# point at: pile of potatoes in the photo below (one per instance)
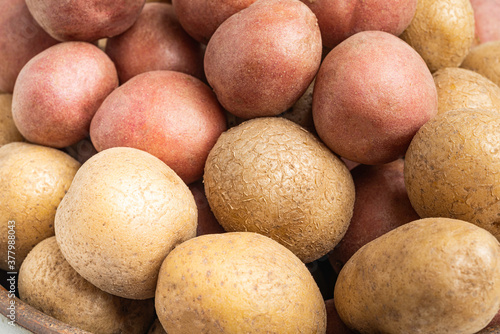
(180, 166)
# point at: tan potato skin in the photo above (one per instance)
(459, 88)
(48, 283)
(451, 168)
(442, 32)
(485, 60)
(270, 176)
(434, 275)
(237, 282)
(8, 130)
(33, 181)
(125, 211)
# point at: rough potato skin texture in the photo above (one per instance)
(237, 282)
(459, 88)
(33, 181)
(22, 38)
(451, 168)
(434, 275)
(485, 60)
(125, 211)
(340, 19)
(486, 14)
(85, 20)
(442, 32)
(48, 283)
(58, 92)
(270, 176)
(8, 130)
(372, 94)
(262, 59)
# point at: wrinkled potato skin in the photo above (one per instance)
(239, 282)
(485, 60)
(442, 32)
(34, 180)
(434, 275)
(48, 283)
(451, 168)
(8, 130)
(459, 88)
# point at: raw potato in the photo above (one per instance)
(48, 283)
(270, 176)
(485, 60)
(451, 168)
(434, 275)
(33, 181)
(486, 16)
(459, 88)
(442, 32)
(8, 130)
(124, 212)
(239, 282)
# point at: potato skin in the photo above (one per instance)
(48, 283)
(8, 130)
(434, 275)
(486, 14)
(485, 60)
(237, 282)
(262, 59)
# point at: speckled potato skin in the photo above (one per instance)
(442, 32)
(270, 176)
(262, 59)
(485, 60)
(459, 88)
(85, 20)
(48, 283)
(451, 168)
(434, 275)
(33, 181)
(125, 211)
(372, 94)
(8, 130)
(237, 282)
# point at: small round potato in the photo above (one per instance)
(486, 17)
(485, 60)
(8, 130)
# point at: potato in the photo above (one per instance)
(372, 94)
(434, 275)
(334, 324)
(48, 283)
(442, 32)
(84, 20)
(451, 168)
(262, 59)
(22, 38)
(239, 282)
(486, 14)
(459, 88)
(156, 328)
(207, 223)
(172, 115)
(81, 151)
(124, 212)
(156, 41)
(485, 60)
(33, 181)
(58, 92)
(341, 19)
(268, 175)
(8, 130)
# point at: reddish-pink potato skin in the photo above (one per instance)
(58, 92)
(156, 41)
(487, 20)
(172, 115)
(207, 223)
(262, 59)
(21, 39)
(381, 205)
(339, 19)
(85, 20)
(373, 92)
(200, 18)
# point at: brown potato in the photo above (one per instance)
(156, 328)
(434, 275)
(33, 181)
(334, 324)
(8, 130)
(486, 14)
(262, 59)
(485, 60)
(48, 283)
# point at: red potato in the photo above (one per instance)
(58, 92)
(22, 38)
(156, 41)
(171, 115)
(334, 325)
(487, 20)
(207, 223)
(372, 94)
